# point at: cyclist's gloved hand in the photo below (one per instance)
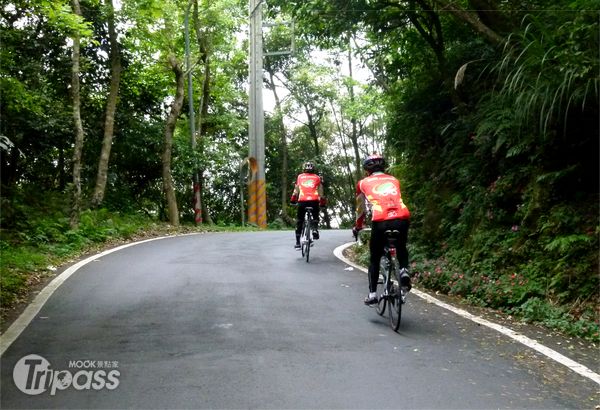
(294, 199)
(323, 201)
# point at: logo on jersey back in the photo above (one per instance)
(386, 189)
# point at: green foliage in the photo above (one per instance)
(551, 66)
(521, 293)
(361, 251)
(538, 310)
(35, 239)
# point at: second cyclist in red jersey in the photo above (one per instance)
(381, 192)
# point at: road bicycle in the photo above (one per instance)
(306, 237)
(389, 292)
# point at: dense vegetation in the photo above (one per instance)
(486, 109)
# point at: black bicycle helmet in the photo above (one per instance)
(309, 167)
(374, 163)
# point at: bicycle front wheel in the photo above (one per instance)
(395, 301)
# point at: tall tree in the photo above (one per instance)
(279, 42)
(283, 146)
(204, 46)
(310, 92)
(175, 111)
(77, 124)
(111, 106)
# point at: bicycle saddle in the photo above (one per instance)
(392, 236)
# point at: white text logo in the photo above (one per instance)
(33, 375)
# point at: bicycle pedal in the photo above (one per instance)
(403, 293)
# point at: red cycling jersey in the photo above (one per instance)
(308, 187)
(382, 191)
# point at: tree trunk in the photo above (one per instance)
(429, 27)
(283, 149)
(312, 129)
(473, 20)
(78, 126)
(173, 212)
(353, 136)
(111, 106)
(351, 182)
(491, 16)
(202, 109)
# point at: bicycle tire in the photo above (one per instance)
(302, 241)
(395, 300)
(381, 285)
(308, 239)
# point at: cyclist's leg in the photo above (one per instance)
(299, 222)
(376, 245)
(401, 225)
(315, 215)
(401, 250)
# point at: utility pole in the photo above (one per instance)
(257, 198)
(192, 118)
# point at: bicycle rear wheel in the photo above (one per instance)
(381, 284)
(302, 241)
(395, 300)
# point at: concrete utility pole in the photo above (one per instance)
(192, 119)
(257, 198)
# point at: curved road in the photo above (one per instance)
(239, 320)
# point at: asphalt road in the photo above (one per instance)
(240, 320)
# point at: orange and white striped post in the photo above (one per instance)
(261, 204)
(252, 198)
(257, 196)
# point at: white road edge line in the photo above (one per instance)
(533, 344)
(17, 327)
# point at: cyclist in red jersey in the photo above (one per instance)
(308, 192)
(381, 192)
